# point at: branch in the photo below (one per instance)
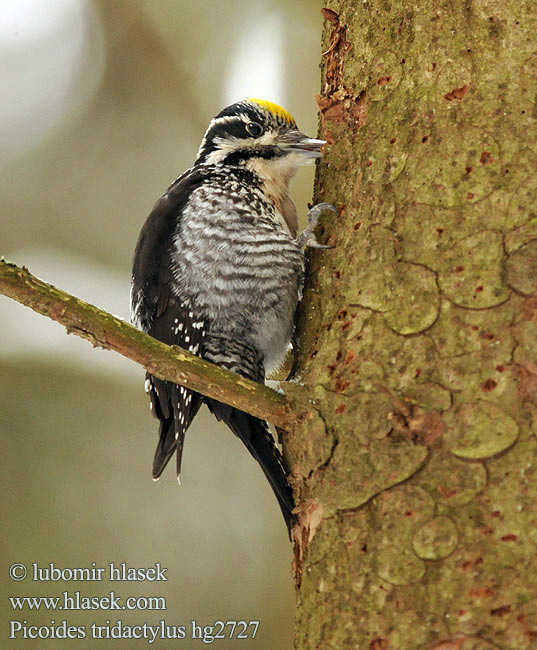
(167, 362)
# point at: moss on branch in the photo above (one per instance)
(164, 361)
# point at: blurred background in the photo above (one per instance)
(102, 105)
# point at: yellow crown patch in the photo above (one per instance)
(279, 111)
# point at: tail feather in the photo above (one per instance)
(165, 448)
(258, 440)
(175, 407)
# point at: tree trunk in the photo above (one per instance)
(418, 337)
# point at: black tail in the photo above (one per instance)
(255, 435)
(166, 447)
(175, 407)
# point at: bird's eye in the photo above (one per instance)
(254, 129)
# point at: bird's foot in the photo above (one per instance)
(307, 237)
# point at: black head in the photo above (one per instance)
(255, 129)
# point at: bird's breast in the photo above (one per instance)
(243, 269)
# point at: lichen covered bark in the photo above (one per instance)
(417, 469)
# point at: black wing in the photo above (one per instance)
(157, 310)
(176, 321)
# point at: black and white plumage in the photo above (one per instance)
(218, 271)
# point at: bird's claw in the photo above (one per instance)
(313, 243)
(307, 237)
(317, 209)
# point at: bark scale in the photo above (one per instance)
(418, 339)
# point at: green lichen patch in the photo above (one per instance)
(398, 565)
(373, 408)
(347, 481)
(428, 395)
(309, 449)
(394, 462)
(521, 268)
(471, 273)
(476, 348)
(513, 513)
(435, 539)
(355, 473)
(313, 373)
(362, 463)
(526, 335)
(396, 515)
(440, 170)
(451, 482)
(368, 373)
(522, 85)
(350, 321)
(460, 642)
(415, 301)
(488, 372)
(520, 162)
(384, 76)
(402, 509)
(480, 430)
(424, 231)
(523, 235)
(460, 331)
(386, 159)
(373, 277)
(397, 364)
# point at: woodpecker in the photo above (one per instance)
(218, 270)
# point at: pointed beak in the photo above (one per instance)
(311, 146)
(300, 143)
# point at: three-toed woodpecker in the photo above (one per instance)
(218, 271)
